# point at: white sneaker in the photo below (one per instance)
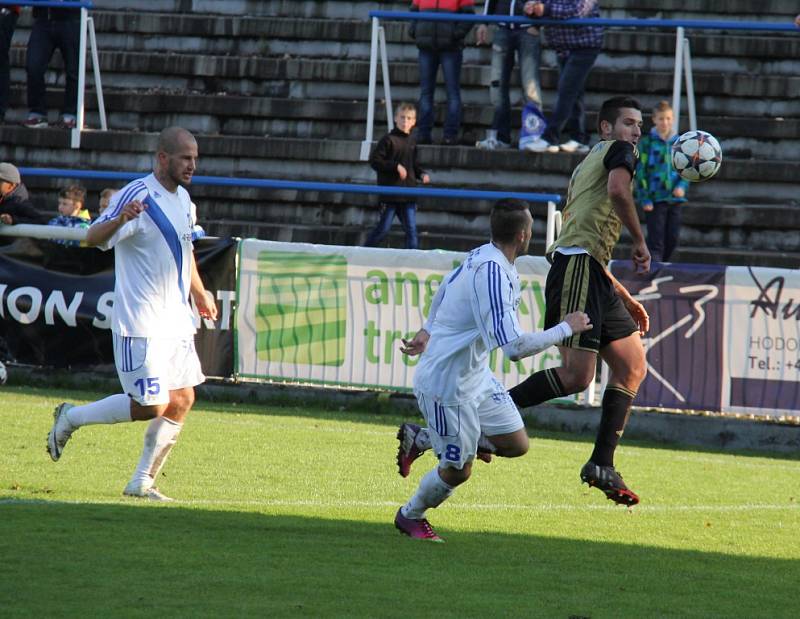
(573, 146)
(60, 432)
(139, 491)
(492, 144)
(537, 146)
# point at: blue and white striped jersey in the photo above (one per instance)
(477, 314)
(152, 266)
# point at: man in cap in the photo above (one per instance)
(15, 205)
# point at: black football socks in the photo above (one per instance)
(537, 388)
(616, 409)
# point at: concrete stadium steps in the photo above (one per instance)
(755, 181)
(761, 231)
(768, 10)
(277, 89)
(767, 137)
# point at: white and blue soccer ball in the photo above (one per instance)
(3, 374)
(696, 155)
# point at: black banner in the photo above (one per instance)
(55, 304)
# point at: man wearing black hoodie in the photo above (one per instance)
(15, 206)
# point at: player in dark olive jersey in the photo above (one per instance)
(599, 203)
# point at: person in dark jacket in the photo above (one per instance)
(395, 160)
(53, 29)
(8, 21)
(15, 206)
(440, 43)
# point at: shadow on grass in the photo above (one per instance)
(119, 560)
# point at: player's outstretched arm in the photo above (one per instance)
(100, 232)
(203, 299)
(529, 344)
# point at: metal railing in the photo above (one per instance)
(682, 51)
(264, 183)
(86, 31)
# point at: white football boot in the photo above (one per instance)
(60, 432)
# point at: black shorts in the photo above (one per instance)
(578, 283)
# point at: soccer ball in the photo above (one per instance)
(3, 374)
(696, 155)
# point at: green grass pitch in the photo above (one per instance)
(287, 512)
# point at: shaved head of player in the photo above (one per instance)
(176, 158)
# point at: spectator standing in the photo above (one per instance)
(440, 43)
(8, 21)
(521, 43)
(105, 199)
(15, 205)
(53, 29)
(395, 161)
(660, 191)
(577, 49)
(71, 212)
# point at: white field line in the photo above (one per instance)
(545, 507)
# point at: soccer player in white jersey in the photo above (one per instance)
(149, 225)
(473, 312)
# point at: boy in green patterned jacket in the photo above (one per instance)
(660, 191)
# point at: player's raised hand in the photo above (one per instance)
(131, 211)
(415, 346)
(578, 322)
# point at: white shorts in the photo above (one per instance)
(455, 428)
(149, 368)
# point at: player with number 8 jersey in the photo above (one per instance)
(473, 312)
(149, 224)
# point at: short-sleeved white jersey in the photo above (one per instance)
(152, 265)
(477, 314)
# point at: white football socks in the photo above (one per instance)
(159, 438)
(113, 409)
(432, 492)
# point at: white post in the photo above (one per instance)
(98, 85)
(676, 80)
(387, 88)
(366, 145)
(76, 132)
(550, 234)
(687, 64)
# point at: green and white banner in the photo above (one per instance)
(335, 315)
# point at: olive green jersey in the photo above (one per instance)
(589, 219)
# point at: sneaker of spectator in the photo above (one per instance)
(538, 145)
(35, 121)
(491, 142)
(68, 121)
(573, 146)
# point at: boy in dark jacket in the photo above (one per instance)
(395, 161)
(440, 43)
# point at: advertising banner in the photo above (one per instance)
(56, 301)
(684, 346)
(761, 370)
(336, 315)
